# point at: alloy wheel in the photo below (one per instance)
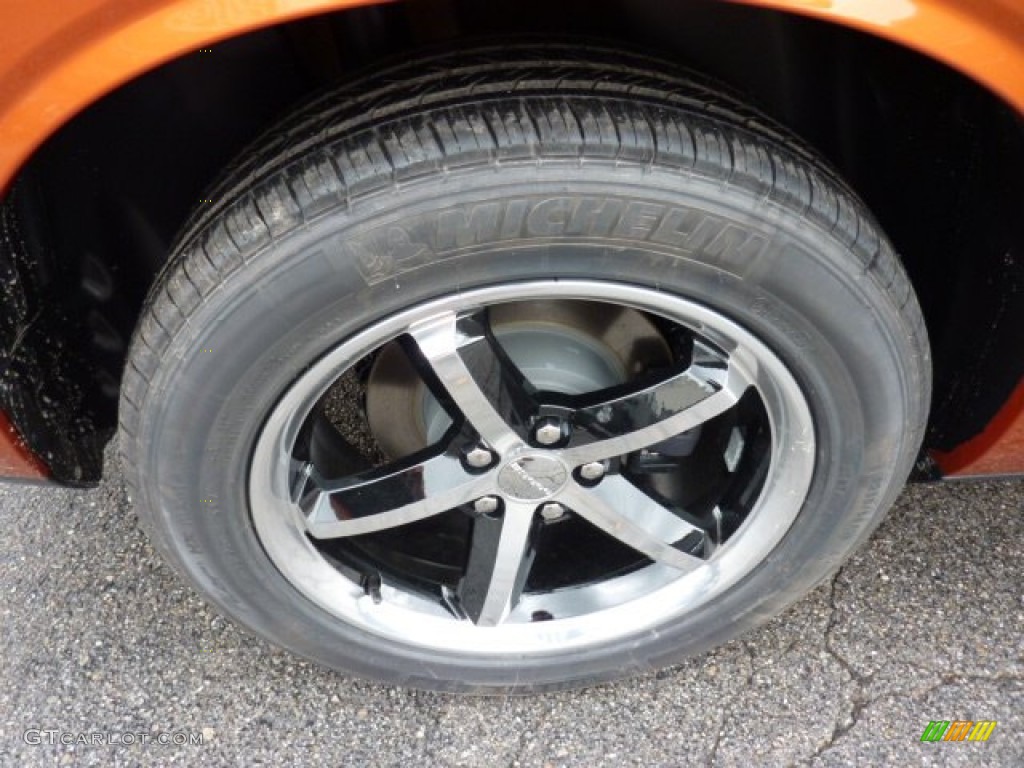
(527, 512)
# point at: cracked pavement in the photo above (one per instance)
(925, 622)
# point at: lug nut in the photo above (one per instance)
(552, 511)
(479, 457)
(486, 505)
(593, 471)
(548, 432)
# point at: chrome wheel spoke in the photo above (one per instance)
(632, 503)
(387, 498)
(466, 362)
(655, 413)
(624, 512)
(500, 556)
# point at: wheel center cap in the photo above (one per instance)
(533, 477)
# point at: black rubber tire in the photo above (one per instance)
(294, 255)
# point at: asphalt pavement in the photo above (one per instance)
(925, 623)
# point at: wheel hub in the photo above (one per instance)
(534, 477)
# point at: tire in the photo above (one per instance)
(697, 375)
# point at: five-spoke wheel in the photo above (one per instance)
(704, 448)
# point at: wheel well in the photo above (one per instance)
(91, 217)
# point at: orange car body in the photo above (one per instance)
(58, 57)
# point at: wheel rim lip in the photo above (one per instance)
(668, 596)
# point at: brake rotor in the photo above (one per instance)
(567, 347)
